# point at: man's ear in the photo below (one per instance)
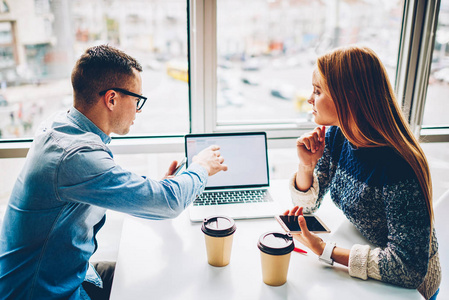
(110, 99)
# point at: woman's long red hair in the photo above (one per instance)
(367, 109)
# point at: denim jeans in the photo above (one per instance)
(106, 271)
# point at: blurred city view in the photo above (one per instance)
(437, 106)
(266, 50)
(40, 41)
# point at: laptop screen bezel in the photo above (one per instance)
(200, 135)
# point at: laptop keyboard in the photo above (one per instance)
(232, 197)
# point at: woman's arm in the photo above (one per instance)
(310, 148)
(311, 182)
(403, 261)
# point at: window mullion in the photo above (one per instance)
(419, 26)
(210, 64)
(203, 65)
(425, 60)
(409, 54)
(196, 65)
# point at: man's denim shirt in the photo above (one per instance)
(58, 204)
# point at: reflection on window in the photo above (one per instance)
(266, 50)
(435, 112)
(43, 38)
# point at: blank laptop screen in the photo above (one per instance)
(244, 154)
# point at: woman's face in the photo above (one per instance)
(324, 110)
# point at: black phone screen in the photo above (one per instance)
(312, 223)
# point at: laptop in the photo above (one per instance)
(241, 192)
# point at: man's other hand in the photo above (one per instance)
(171, 170)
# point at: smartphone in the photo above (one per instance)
(180, 166)
(314, 224)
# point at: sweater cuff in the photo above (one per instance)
(373, 264)
(358, 261)
(305, 199)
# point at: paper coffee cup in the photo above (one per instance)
(218, 233)
(275, 250)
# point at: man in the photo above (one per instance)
(69, 179)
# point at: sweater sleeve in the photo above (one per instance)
(364, 264)
(404, 260)
(307, 199)
(322, 177)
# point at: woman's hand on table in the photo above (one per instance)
(305, 237)
(314, 242)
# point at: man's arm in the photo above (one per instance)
(89, 175)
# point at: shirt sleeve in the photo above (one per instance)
(89, 175)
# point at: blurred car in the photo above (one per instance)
(283, 91)
(227, 80)
(227, 97)
(3, 101)
(178, 70)
(252, 64)
(224, 64)
(163, 57)
(250, 80)
(286, 62)
(154, 64)
(442, 75)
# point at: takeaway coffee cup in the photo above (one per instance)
(275, 250)
(218, 233)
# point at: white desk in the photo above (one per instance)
(167, 260)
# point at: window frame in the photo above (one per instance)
(420, 19)
(428, 134)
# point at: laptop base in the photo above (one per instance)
(235, 211)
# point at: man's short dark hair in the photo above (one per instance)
(101, 68)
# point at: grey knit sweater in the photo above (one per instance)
(379, 193)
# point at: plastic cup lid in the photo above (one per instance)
(218, 226)
(276, 243)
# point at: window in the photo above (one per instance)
(436, 107)
(39, 52)
(422, 58)
(266, 51)
(209, 66)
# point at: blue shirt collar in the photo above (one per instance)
(85, 124)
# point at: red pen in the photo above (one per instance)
(299, 250)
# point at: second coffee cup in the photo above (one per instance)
(218, 233)
(275, 250)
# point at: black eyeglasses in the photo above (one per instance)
(140, 102)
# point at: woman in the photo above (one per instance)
(375, 170)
